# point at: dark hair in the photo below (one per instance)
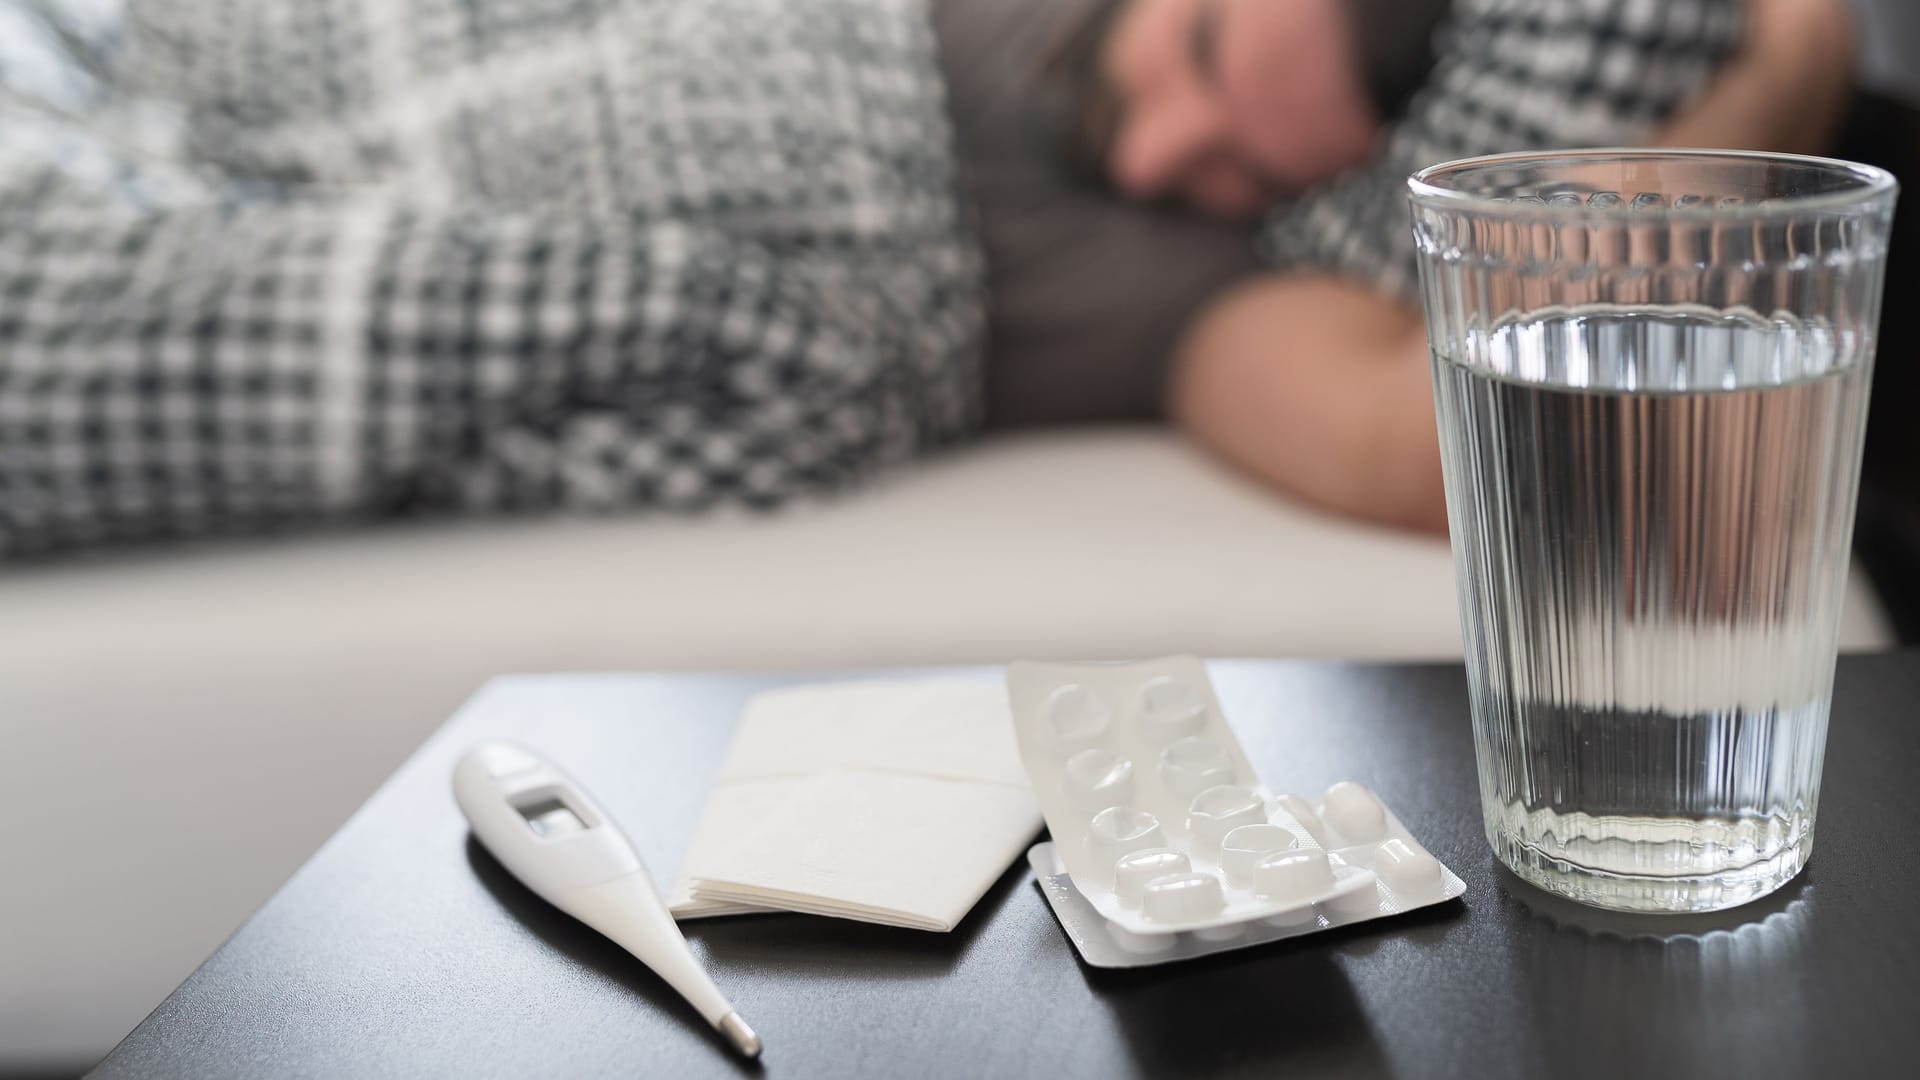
(1393, 42)
(1085, 106)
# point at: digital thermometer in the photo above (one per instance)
(546, 830)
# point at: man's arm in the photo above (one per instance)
(1320, 386)
(1786, 90)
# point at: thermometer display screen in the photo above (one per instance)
(551, 817)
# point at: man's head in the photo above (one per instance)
(1226, 104)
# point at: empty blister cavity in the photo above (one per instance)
(1131, 872)
(1355, 814)
(1172, 708)
(1218, 811)
(1292, 877)
(1184, 898)
(1100, 778)
(1245, 845)
(1191, 765)
(1118, 831)
(1407, 870)
(1075, 714)
(1302, 811)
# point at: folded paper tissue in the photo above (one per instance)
(888, 802)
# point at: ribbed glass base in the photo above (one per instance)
(1590, 872)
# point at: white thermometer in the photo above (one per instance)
(546, 830)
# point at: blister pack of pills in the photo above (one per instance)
(1166, 845)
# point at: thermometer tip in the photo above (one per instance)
(740, 1035)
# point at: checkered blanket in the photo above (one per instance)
(1511, 75)
(384, 256)
(487, 255)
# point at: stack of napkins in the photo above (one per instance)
(887, 802)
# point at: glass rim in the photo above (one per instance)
(1871, 183)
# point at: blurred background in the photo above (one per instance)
(185, 723)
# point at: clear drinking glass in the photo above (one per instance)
(1651, 375)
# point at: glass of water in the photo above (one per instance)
(1651, 373)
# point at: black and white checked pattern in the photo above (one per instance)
(1511, 75)
(493, 254)
(488, 254)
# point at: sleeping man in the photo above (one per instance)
(276, 262)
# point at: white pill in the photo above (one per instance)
(1100, 778)
(1359, 904)
(1132, 871)
(1355, 814)
(1292, 877)
(1302, 811)
(1407, 870)
(1171, 708)
(1141, 944)
(1244, 846)
(1218, 811)
(1192, 765)
(1118, 831)
(1294, 917)
(1361, 900)
(1075, 714)
(1183, 898)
